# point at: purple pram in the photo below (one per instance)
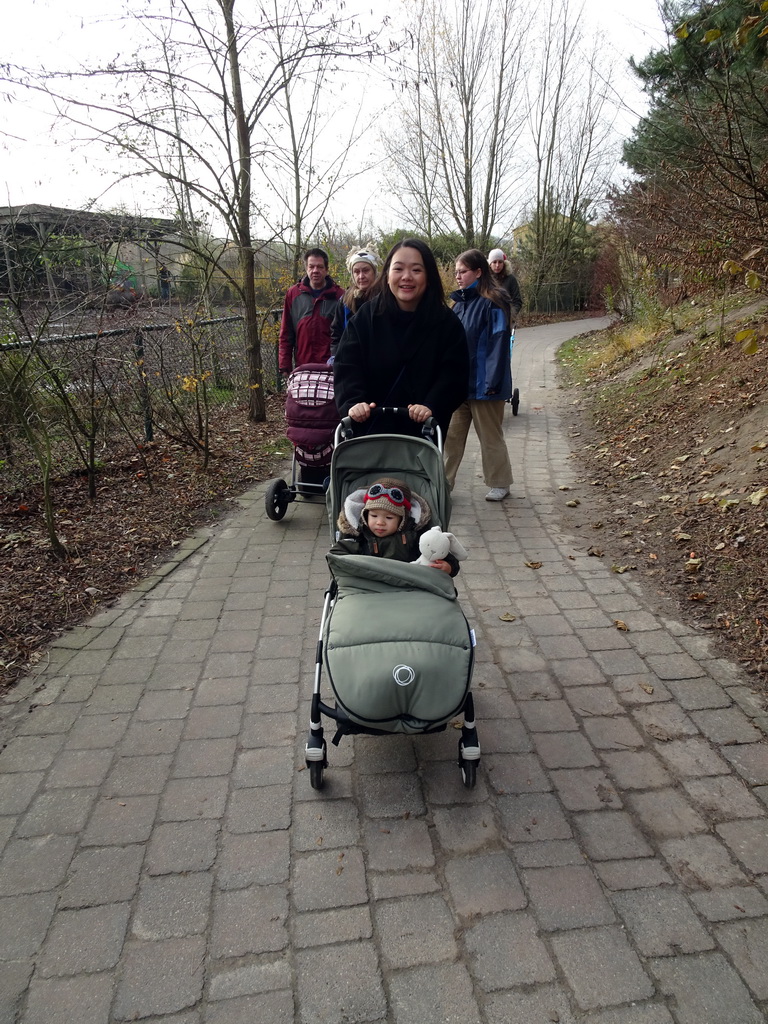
(312, 417)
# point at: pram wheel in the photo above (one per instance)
(515, 401)
(316, 774)
(469, 773)
(276, 499)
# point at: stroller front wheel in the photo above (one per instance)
(276, 500)
(515, 401)
(469, 773)
(316, 774)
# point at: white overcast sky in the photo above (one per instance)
(36, 167)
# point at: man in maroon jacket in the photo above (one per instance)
(305, 331)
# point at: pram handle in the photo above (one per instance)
(430, 429)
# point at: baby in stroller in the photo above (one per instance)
(387, 519)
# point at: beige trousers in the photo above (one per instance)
(488, 419)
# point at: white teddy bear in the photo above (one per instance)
(434, 545)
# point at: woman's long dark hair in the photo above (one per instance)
(473, 259)
(434, 296)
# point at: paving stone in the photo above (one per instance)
(249, 980)
(505, 736)
(25, 922)
(567, 897)
(84, 941)
(109, 875)
(85, 999)
(588, 701)
(547, 715)
(182, 846)
(397, 845)
(745, 943)
(507, 952)
(349, 924)
(152, 738)
(748, 841)
(531, 685)
(601, 967)
(565, 750)
(249, 921)
(213, 722)
(58, 812)
(326, 826)
(528, 819)
(120, 822)
(635, 769)
(415, 930)
(661, 922)
(705, 989)
(35, 865)
(609, 835)
(253, 859)
(616, 733)
(664, 721)
(632, 874)
(696, 694)
(516, 773)
(261, 809)
(484, 884)
(200, 758)
(433, 995)
(666, 813)
(577, 672)
(79, 768)
(29, 753)
(637, 1013)
(561, 648)
(546, 1003)
(392, 796)
(750, 761)
(674, 667)
(275, 1007)
(401, 883)
(333, 878)
(14, 984)
(638, 690)
(548, 853)
(722, 797)
(726, 725)
(138, 776)
(691, 757)
(17, 791)
(730, 904)
(620, 663)
(170, 906)
(338, 984)
(585, 789)
(160, 977)
(701, 862)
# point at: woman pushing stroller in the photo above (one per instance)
(387, 520)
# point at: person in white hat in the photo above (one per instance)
(363, 267)
(501, 272)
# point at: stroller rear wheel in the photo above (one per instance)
(515, 401)
(468, 765)
(276, 499)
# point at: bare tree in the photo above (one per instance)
(193, 109)
(461, 115)
(570, 134)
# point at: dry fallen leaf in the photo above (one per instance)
(507, 617)
(597, 552)
(647, 687)
(621, 624)
(573, 503)
(534, 565)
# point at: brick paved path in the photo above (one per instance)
(165, 859)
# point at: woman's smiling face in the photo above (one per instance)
(407, 278)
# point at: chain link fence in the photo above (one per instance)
(65, 400)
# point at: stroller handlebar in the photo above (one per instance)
(429, 428)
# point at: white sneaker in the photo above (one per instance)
(497, 494)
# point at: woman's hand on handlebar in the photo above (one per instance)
(361, 411)
(419, 413)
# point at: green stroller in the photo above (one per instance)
(394, 642)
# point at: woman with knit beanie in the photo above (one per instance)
(501, 272)
(363, 265)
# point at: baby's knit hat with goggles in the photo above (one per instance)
(385, 503)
